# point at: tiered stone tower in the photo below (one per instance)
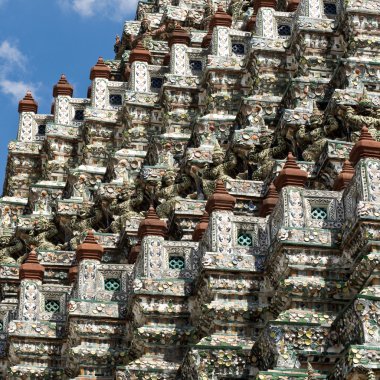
(211, 210)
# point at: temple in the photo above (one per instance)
(211, 209)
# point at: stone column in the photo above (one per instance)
(62, 92)
(152, 231)
(31, 276)
(27, 126)
(89, 255)
(139, 59)
(178, 42)
(100, 74)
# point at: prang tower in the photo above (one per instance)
(211, 209)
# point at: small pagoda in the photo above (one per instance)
(210, 210)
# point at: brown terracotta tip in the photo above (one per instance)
(140, 54)
(366, 147)
(220, 199)
(179, 36)
(134, 252)
(221, 18)
(201, 227)
(28, 104)
(152, 225)
(100, 70)
(63, 87)
(269, 201)
(291, 174)
(73, 273)
(344, 177)
(90, 238)
(291, 162)
(90, 249)
(365, 135)
(31, 269)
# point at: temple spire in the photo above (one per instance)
(291, 174)
(28, 104)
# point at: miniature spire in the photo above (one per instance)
(90, 249)
(31, 269)
(134, 252)
(221, 199)
(140, 54)
(292, 5)
(63, 87)
(257, 4)
(201, 227)
(166, 61)
(365, 147)
(207, 39)
(344, 177)
(221, 18)
(100, 70)
(28, 104)
(73, 273)
(152, 225)
(89, 92)
(269, 201)
(179, 36)
(291, 174)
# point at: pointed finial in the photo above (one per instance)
(31, 269)
(134, 252)
(140, 54)
(73, 273)
(220, 199)
(344, 177)
(28, 104)
(366, 147)
(179, 36)
(63, 87)
(90, 249)
(100, 70)
(201, 227)
(152, 225)
(270, 201)
(221, 18)
(291, 174)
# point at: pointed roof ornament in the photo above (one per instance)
(28, 104)
(366, 147)
(90, 249)
(63, 87)
(220, 199)
(152, 225)
(292, 5)
(140, 54)
(269, 201)
(221, 18)
(257, 4)
(100, 70)
(201, 227)
(134, 253)
(73, 273)
(344, 177)
(179, 36)
(31, 269)
(291, 174)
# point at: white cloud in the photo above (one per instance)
(17, 89)
(113, 9)
(12, 60)
(10, 55)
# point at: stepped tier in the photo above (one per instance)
(211, 210)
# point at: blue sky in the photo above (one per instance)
(42, 39)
